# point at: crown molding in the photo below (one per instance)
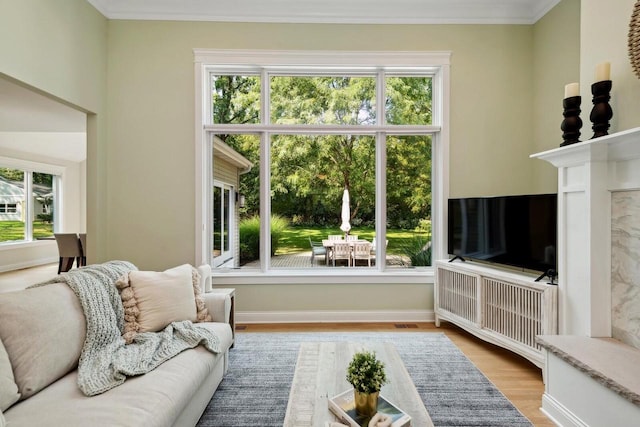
(331, 11)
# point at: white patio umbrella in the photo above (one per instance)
(346, 212)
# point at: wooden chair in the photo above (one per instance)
(341, 250)
(69, 249)
(83, 246)
(333, 237)
(317, 249)
(362, 251)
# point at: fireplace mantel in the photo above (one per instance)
(588, 173)
(621, 146)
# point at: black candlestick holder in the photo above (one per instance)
(601, 112)
(572, 122)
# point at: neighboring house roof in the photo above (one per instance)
(10, 192)
(223, 151)
(16, 188)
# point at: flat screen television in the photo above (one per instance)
(519, 231)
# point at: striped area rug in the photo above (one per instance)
(255, 391)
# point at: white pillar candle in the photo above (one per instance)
(572, 89)
(603, 71)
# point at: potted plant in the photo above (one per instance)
(366, 374)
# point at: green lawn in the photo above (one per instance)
(296, 239)
(14, 230)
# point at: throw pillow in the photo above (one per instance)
(203, 312)
(42, 330)
(8, 388)
(152, 300)
(3, 422)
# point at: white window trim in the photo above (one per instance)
(231, 214)
(30, 167)
(333, 61)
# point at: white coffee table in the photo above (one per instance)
(321, 374)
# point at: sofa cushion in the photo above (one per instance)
(3, 422)
(152, 300)
(8, 388)
(43, 330)
(153, 399)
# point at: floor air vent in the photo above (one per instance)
(405, 325)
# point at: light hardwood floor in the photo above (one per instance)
(518, 379)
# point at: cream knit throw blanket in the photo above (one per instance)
(105, 361)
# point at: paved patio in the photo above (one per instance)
(303, 260)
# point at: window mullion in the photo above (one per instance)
(57, 203)
(265, 98)
(28, 205)
(381, 90)
(265, 173)
(381, 200)
(381, 174)
(265, 202)
(325, 129)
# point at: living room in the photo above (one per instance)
(134, 80)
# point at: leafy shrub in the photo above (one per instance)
(424, 225)
(48, 218)
(278, 225)
(250, 237)
(418, 250)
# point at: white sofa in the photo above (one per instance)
(41, 335)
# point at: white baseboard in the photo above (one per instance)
(559, 414)
(322, 316)
(28, 264)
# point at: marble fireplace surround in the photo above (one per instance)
(599, 236)
(597, 349)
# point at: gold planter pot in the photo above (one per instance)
(366, 403)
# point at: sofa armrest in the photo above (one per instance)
(205, 277)
(219, 306)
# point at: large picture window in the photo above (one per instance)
(346, 162)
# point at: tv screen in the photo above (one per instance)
(519, 231)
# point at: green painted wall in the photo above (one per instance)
(141, 155)
(59, 48)
(605, 25)
(556, 52)
(151, 114)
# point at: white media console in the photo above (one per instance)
(505, 308)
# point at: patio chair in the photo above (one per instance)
(335, 237)
(362, 251)
(341, 250)
(352, 237)
(69, 249)
(317, 249)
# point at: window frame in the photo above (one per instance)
(30, 168)
(228, 220)
(242, 62)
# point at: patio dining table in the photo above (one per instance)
(330, 243)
